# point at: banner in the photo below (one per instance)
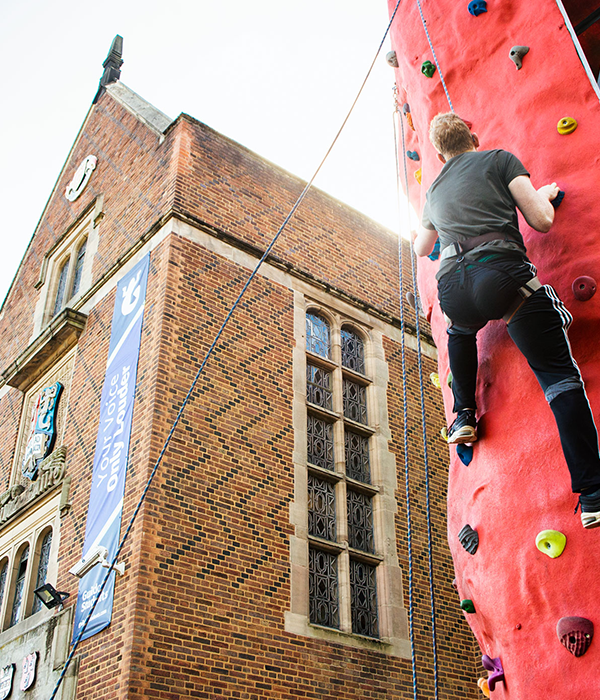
(103, 525)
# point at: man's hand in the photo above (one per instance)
(549, 191)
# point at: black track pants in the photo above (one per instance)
(471, 296)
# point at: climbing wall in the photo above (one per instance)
(517, 485)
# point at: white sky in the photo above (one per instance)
(278, 76)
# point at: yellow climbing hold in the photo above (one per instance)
(418, 174)
(566, 125)
(449, 379)
(551, 542)
(482, 684)
(444, 433)
(435, 380)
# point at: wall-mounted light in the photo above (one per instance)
(49, 596)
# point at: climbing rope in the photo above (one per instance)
(423, 419)
(405, 418)
(437, 63)
(208, 355)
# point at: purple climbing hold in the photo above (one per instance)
(575, 634)
(584, 288)
(477, 7)
(494, 666)
(465, 452)
(558, 199)
(413, 155)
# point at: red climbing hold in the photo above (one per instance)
(575, 634)
(584, 288)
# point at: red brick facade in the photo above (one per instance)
(200, 611)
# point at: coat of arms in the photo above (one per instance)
(42, 431)
(28, 675)
(6, 681)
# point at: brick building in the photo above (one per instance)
(269, 558)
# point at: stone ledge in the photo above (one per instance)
(57, 338)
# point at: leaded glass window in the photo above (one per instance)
(319, 442)
(363, 594)
(61, 288)
(355, 401)
(357, 457)
(321, 508)
(323, 588)
(318, 335)
(318, 387)
(42, 571)
(78, 271)
(360, 521)
(19, 587)
(3, 573)
(353, 351)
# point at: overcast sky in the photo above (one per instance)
(278, 76)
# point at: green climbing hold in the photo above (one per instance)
(551, 542)
(449, 379)
(467, 606)
(428, 69)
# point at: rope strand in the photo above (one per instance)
(437, 63)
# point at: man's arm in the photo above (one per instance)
(534, 204)
(425, 240)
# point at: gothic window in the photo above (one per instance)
(42, 569)
(61, 287)
(69, 276)
(343, 556)
(19, 589)
(78, 268)
(3, 573)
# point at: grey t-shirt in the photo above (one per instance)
(471, 197)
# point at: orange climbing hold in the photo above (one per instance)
(418, 175)
(482, 684)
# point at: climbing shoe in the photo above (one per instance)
(464, 429)
(590, 509)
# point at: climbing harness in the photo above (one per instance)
(207, 356)
(423, 427)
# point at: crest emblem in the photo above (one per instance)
(81, 177)
(6, 681)
(28, 675)
(42, 430)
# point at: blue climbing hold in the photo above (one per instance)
(435, 253)
(413, 155)
(477, 7)
(558, 199)
(465, 452)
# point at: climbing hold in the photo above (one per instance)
(482, 684)
(575, 634)
(444, 433)
(476, 7)
(516, 55)
(410, 298)
(435, 380)
(449, 379)
(518, 626)
(558, 199)
(418, 174)
(494, 667)
(435, 253)
(465, 452)
(392, 59)
(428, 69)
(413, 155)
(455, 584)
(566, 125)
(408, 115)
(469, 539)
(584, 288)
(551, 542)
(467, 606)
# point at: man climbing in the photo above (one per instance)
(485, 274)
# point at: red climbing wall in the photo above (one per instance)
(517, 484)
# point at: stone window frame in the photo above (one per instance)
(392, 617)
(29, 531)
(65, 252)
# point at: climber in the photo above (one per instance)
(484, 274)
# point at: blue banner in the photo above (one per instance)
(112, 447)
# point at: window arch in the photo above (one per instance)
(318, 334)
(45, 546)
(18, 599)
